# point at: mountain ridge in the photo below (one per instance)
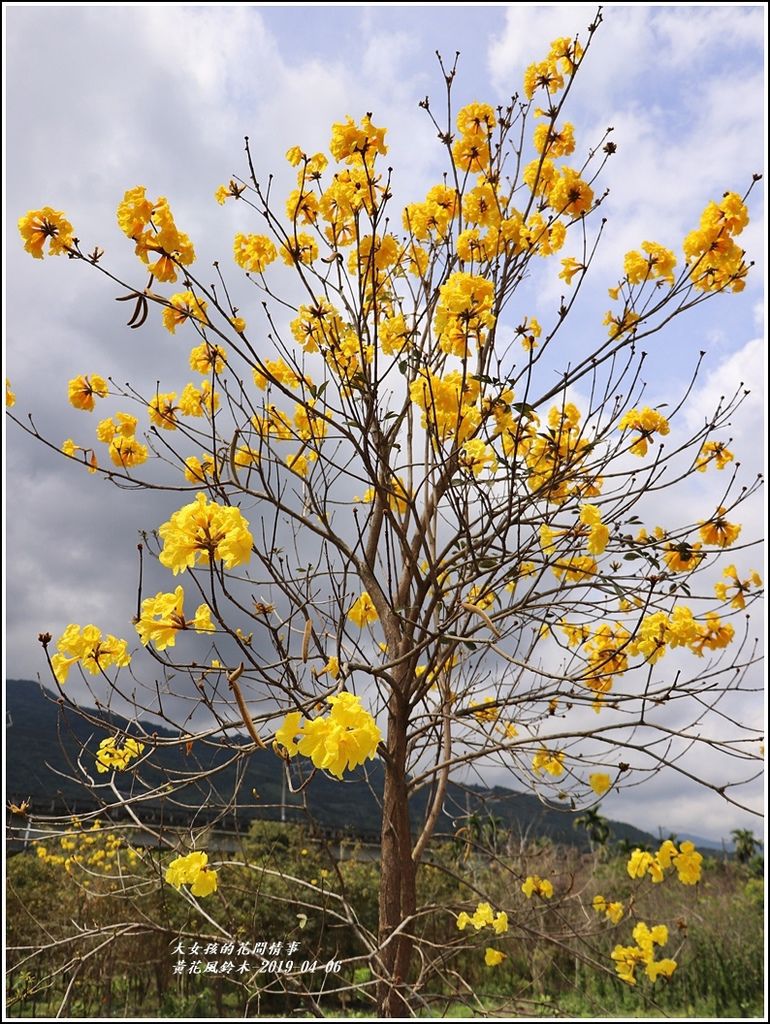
(46, 738)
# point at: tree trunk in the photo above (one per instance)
(397, 878)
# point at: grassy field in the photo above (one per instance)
(95, 937)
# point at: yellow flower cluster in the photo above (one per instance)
(620, 323)
(230, 191)
(554, 142)
(162, 617)
(545, 761)
(598, 533)
(658, 263)
(449, 404)
(39, 226)
(277, 370)
(683, 557)
(362, 611)
(202, 401)
(629, 958)
(464, 313)
(162, 410)
(599, 782)
(114, 755)
(563, 59)
(686, 860)
(94, 652)
(208, 358)
(198, 470)
(355, 144)
(715, 260)
(475, 124)
(119, 433)
(193, 870)
(202, 531)
(718, 531)
(612, 911)
(493, 957)
(152, 227)
(658, 630)
(254, 253)
(184, 306)
(482, 916)
(303, 248)
(90, 848)
(555, 457)
(735, 589)
(646, 422)
(485, 710)
(10, 397)
(432, 217)
(606, 652)
(476, 456)
(341, 740)
(713, 453)
(83, 390)
(319, 327)
(535, 885)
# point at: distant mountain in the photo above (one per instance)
(701, 842)
(46, 739)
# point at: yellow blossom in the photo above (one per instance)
(555, 141)
(254, 252)
(115, 755)
(332, 666)
(688, 863)
(162, 410)
(713, 453)
(464, 312)
(354, 143)
(39, 226)
(341, 740)
(202, 531)
(207, 358)
(545, 761)
(84, 390)
(535, 885)
(658, 262)
(302, 249)
(181, 307)
(570, 267)
(718, 531)
(127, 451)
(476, 119)
(493, 957)
(683, 557)
(735, 589)
(197, 470)
(88, 647)
(612, 911)
(192, 870)
(600, 782)
(163, 616)
(363, 612)
(598, 533)
(152, 227)
(285, 737)
(647, 422)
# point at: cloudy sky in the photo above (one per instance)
(101, 99)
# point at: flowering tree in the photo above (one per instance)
(406, 539)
